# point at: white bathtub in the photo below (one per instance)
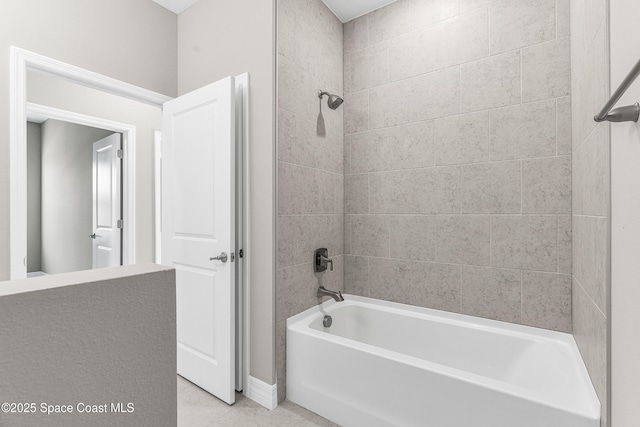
(389, 364)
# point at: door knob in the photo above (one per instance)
(222, 257)
(93, 236)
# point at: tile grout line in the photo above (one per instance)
(556, 117)
(369, 193)
(490, 151)
(459, 90)
(435, 245)
(521, 187)
(558, 246)
(521, 297)
(484, 58)
(368, 271)
(556, 18)
(462, 265)
(453, 214)
(440, 118)
(491, 241)
(489, 27)
(461, 287)
(460, 190)
(589, 296)
(521, 88)
(440, 166)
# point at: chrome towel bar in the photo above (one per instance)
(628, 113)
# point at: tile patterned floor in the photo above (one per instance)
(197, 408)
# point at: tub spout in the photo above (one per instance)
(322, 292)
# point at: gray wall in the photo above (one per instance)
(67, 197)
(34, 190)
(95, 337)
(212, 44)
(95, 35)
(59, 93)
(591, 189)
(310, 168)
(458, 158)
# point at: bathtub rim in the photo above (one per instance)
(301, 323)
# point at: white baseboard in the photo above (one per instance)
(262, 393)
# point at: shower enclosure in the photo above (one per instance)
(445, 180)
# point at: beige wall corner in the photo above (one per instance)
(224, 38)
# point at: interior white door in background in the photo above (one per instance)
(198, 231)
(107, 202)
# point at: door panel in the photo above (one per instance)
(195, 317)
(192, 210)
(198, 223)
(107, 202)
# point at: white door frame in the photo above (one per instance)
(37, 112)
(157, 192)
(242, 210)
(22, 61)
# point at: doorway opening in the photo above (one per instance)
(74, 196)
(124, 210)
(22, 62)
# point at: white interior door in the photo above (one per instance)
(198, 225)
(107, 203)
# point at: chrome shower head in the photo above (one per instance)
(334, 101)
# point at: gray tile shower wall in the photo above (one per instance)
(310, 175)
(457, 158)
(591, 190)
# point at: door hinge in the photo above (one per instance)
(240, 253)
(120, 154)
(120, 223)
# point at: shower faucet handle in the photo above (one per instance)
(321, 257)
